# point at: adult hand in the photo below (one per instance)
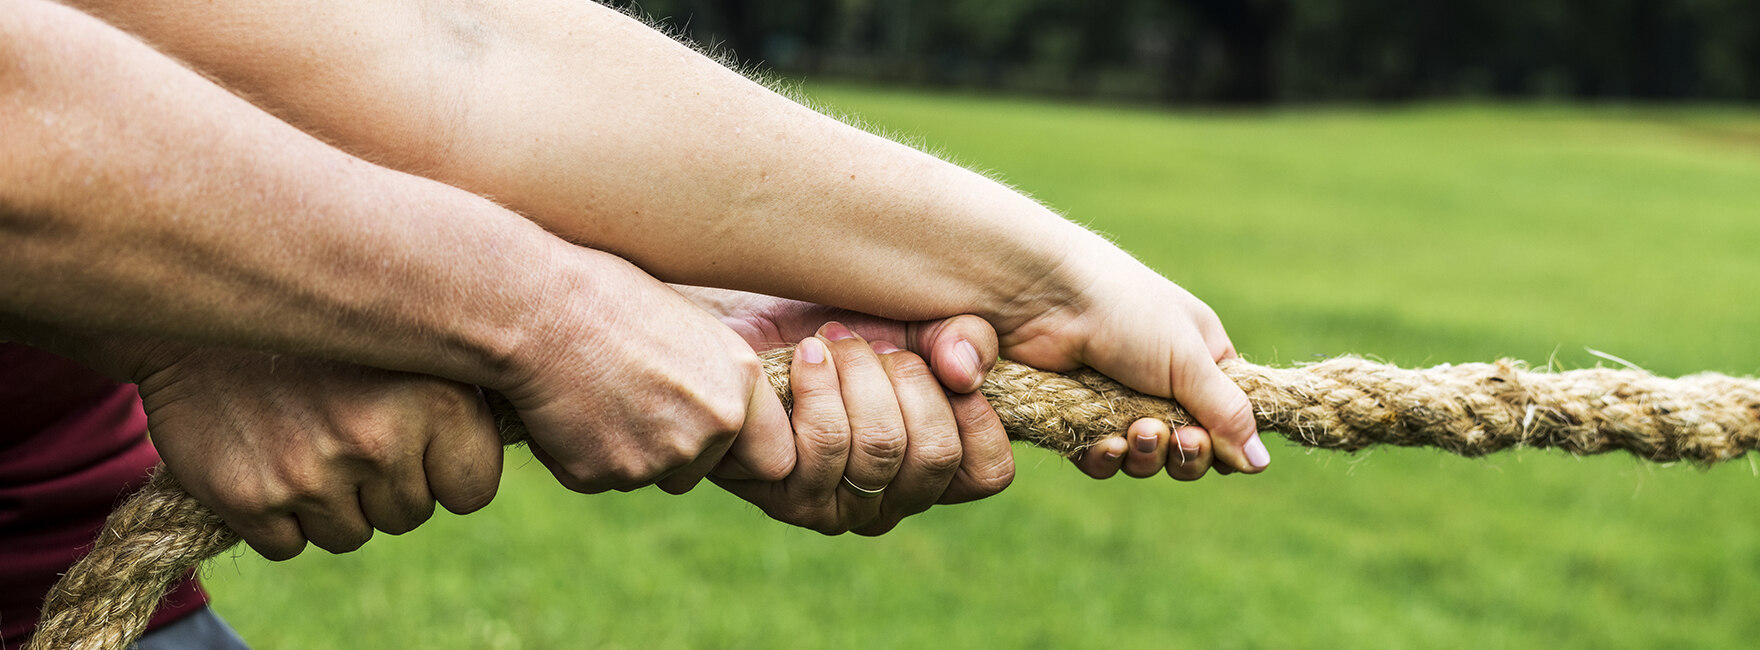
(958, 351)
(1141, 329)
(625, 383)
(288, 449)
(877, 439)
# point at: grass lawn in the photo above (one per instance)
(1417, 235)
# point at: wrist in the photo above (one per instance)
(569, 298)
(1060, 283)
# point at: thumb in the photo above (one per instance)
(764, 449)
(463, 462)
(960, 350)
(1222, 408)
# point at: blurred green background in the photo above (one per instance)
(1249, 51)
(1419, 235)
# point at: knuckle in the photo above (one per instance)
(303, 481)
(685, 451)
(375, 445)
(854, 358)
(1238, 416)
(883, 443)
(939, 458)
(711, 439)
(823, 448)
(747, 363)
(450, 401)
(808, 394)
(822, 423)
(251, 499)
(725, 416)
(992, 479)
(621, 472)
(907, 367)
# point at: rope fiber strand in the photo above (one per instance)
(1346, 403)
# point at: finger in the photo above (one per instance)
(256, 510)
(335, 524)
(877, 431)
(276, 538)
(1104, 459)
(769, 496)
(1148, 448)
(986, 465)
(764, 448)
(1189, 458)
(686, 478)
(932, 448)
(960, 349)
(821, 426)
(463, 461)
(808, 497)
(396, 506)
(562, 475)
(1223, 410)
(1215, 337)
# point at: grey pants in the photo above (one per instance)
(202, 630)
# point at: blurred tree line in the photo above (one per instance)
(1250, 51)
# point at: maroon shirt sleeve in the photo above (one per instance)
(73, 444)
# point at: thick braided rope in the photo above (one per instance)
(1347, 403)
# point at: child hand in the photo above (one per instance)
(1133, 325)
(1146, 449)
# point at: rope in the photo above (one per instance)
(1347, 403)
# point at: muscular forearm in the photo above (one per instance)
(136, 197)
(616, 137)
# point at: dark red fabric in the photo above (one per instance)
(72, 444)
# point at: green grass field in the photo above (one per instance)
(1416, 235)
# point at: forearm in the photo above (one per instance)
(616, 137)
(138, 198)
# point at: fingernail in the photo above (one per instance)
(1146, 443)
(882, 347)
(1190, 447)
(1112, 453)
(837, 332)
(967, 356)
(812, 351)
(1257, 456)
